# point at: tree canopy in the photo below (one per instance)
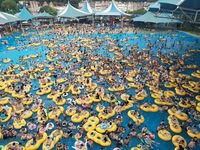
(48, 9)
(9, 6)
(12, 6)
(76, 2)
(72, 2)
(131, 0)
(140, 11)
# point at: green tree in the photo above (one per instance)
(9, 6)
(131, 0)
(74, 3)
(48, 9)
(139, 11)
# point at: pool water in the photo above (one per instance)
(152, 120)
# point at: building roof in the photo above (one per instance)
(72, 12)
(154, 6)
(87, 8)
(194, 4)
(189, 9)
(112, 10)
(173, 4)
(24, 14)
(43, 15)
(150, 17)
(7, 18)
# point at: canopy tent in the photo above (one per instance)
(7, 18)
(24, 14)
(150, 17)
(87, 8)
(43, 15)
(72, 12)
(112, 10)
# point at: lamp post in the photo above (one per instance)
(10, 27)
(93, 23)
(122, 21)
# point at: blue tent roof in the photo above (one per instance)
(24, 14)
(87, 8)
(112, 10)
(150, 17)
(72, 12)
(43, 15)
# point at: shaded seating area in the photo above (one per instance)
(44, 17)
(150, 17)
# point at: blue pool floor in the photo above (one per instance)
(152, 120)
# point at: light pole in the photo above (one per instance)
(121, 20)
(93, 23)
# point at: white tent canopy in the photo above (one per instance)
(112, 10)
(7, 18)
(72, 12)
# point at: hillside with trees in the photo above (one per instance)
(130, 0)
(12, 6)
(48, 9)
(9, 6)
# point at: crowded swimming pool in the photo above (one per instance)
(103, 73)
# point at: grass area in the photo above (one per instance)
(191, 28)
(194, 33)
